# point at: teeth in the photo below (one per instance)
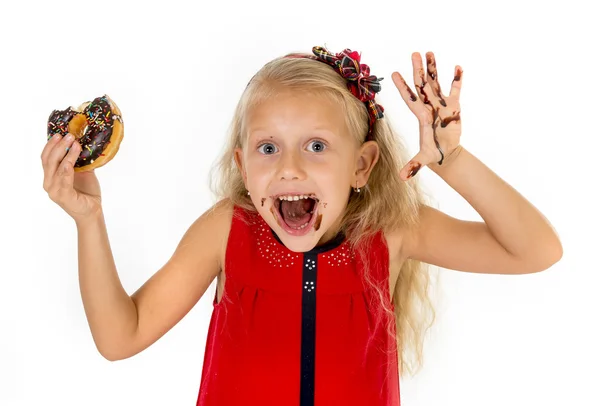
(300, 227)
(297, 197)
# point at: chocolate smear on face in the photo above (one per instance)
(318, 222)
(262, 202)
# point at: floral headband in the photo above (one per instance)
(361, 83)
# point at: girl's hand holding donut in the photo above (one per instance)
(91, 133)
(438, 114)
(77, 193)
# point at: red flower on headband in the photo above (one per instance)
(360, 82)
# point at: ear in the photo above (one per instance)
(238, 155)
(368, 155)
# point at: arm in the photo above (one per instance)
(121, 325)
(515, 238)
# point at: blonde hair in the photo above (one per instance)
(386, 203)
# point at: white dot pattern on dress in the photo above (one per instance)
(340, 256)
(276, 254)
(270, 249)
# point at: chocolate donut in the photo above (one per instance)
(96, 125)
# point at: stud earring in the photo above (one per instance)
(248, 192)
(357, 189)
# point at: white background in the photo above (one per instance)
(176, 69)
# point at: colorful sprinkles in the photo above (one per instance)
(98, 131)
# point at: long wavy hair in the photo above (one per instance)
(386, 203)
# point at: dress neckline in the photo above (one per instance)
(328, 246)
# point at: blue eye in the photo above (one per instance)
(320, 146)
(269, 150)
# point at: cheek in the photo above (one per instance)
(259, 172)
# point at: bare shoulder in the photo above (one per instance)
(176, 287)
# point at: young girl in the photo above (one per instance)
(317, 240)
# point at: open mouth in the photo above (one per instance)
(296, 212)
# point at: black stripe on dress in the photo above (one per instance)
(309, 310)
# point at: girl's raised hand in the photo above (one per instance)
(438, 115)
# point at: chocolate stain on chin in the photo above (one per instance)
(262, 202)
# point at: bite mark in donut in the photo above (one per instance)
(96, 125)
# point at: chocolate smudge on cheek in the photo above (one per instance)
(262, 202)
(318, 222)
(414, 168)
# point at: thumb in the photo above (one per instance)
(413, 166)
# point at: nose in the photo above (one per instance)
(290, 166)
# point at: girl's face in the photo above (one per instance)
(297, 147)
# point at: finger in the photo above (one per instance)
(51, 143)
(432, 78)
(410, 98)
(57, 154)
(456, 82)
(413, 166)
(421, 85)
(66, 170)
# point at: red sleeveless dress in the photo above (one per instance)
(292, 328)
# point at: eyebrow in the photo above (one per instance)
(252, 131)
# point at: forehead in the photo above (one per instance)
(299, 110)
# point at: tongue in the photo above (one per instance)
(296, 212)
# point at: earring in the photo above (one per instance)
(357, 189)
(248, 193)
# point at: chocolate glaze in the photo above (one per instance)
(96, 137)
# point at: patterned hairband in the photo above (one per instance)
(360, 82)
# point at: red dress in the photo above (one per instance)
(292, 328)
